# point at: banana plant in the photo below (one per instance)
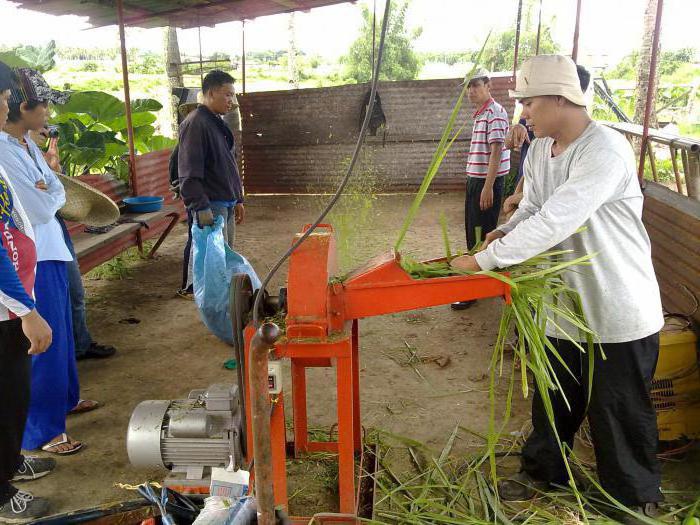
(42, 59)
(92, 132)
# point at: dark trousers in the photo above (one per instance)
(621, 415)
(81, 334)
(473, 215)
(187, 252)
(15, 381)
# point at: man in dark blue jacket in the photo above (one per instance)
(210, 184)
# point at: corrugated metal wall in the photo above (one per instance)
(152, 176)
(299, 141)
(673, 223)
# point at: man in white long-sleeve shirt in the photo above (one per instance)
(55, 386)
(579, 173)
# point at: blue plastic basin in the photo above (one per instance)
(143, 204)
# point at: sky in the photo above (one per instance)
(610, 29)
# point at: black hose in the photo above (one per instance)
(344, 182)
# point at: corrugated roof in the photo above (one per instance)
(177, 13)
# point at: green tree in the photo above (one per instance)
(400, 61)
(220, 56)
(500, 51)
(148, 63)
(670, 61)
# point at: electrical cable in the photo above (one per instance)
(344, 182)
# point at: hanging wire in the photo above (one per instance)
(344, 182)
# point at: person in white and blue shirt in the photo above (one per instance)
(23, 333)
(55, 387)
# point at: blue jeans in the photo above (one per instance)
(229, 222)
(81, 334)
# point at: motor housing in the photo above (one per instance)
(190, 434)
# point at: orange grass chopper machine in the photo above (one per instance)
(321, 315)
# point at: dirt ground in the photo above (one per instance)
(169, 351)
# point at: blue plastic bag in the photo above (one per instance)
(213, 266)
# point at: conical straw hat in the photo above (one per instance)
(87, 205)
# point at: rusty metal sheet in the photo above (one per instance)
(183, 13)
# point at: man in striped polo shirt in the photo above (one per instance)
(487, 163)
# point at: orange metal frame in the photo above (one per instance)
(322, 331)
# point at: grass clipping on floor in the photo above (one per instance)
(413, 486)
(447, 490)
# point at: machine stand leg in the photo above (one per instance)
(278, 434)
(346, 452)
(357, 425)
(301, 436)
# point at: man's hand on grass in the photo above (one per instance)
(465, 262)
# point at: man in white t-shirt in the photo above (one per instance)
(582, 174)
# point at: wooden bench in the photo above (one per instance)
(93, 249)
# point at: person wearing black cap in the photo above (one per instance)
(23, 333)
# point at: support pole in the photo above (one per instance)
(676, 171)
(127, 100)
(243, 54)
(650, 92)
(574, 51)
(263, 341)
(539, 30)
(692, 175)
(201, 65)
(517, 37)
(374, 32)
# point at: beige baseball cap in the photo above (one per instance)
(548, 75)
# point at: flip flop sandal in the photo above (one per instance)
(65, 440)
(84, 405)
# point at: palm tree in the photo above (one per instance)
(173, 69)
(292, 65)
